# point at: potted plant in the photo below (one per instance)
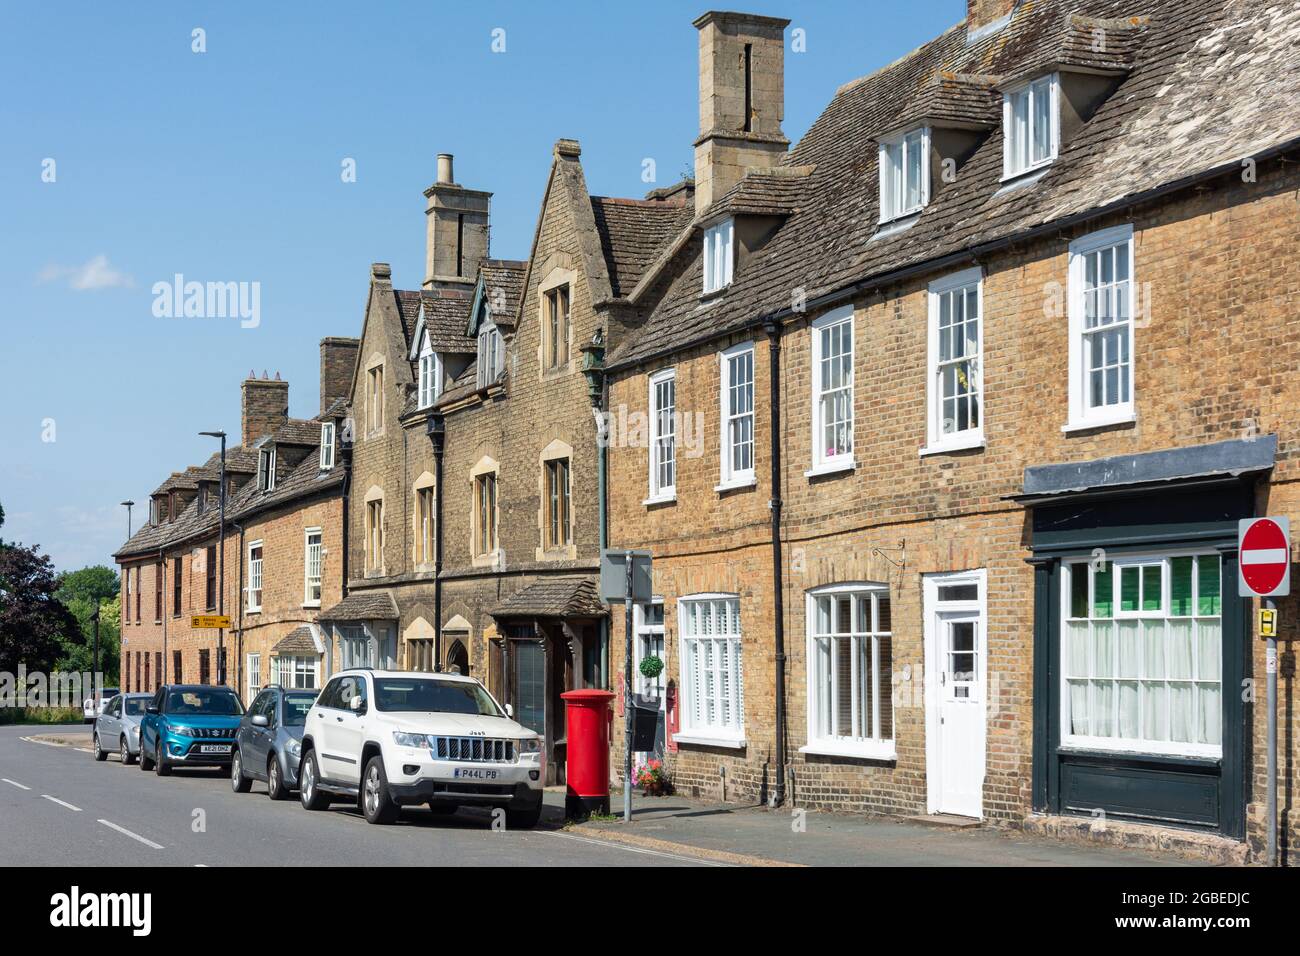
(653, 779)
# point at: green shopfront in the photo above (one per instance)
(1140, 656)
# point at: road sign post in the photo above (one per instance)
(1264, 570)
(625, 576)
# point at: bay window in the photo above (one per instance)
(1141, 654)
(713, 680)
(850, 670)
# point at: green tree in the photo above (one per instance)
(81, 592)
(33, 622)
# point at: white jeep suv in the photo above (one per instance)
(394, 738)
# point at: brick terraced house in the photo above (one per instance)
(475, 532)
(283, 557)
(987, 367)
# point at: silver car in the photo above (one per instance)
(118, 726)
(268, 744)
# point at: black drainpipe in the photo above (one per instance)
(773, 330)
(345, 455)
(436, 429)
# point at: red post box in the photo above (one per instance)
(587, 723)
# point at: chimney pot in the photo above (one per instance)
(445, 173)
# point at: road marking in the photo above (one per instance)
(14, 783)
(672, 848)
(640, 849)
(61, 803)
(134, 836)
(43, 743)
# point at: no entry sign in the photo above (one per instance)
(1264, 550)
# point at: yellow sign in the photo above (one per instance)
(210, 620)
(1267, 622)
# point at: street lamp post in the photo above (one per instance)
(94, 667)
(128, 505)
(221, 557)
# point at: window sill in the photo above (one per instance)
(660, 500)
(704, 740)
(1093, 747)
(963, 443)
(731, 484)
(893, 227)
(311, 604)
(831, 468)
(1100, 421)
(884, 750)
(717, 293)
(252, 610)
(1025, 177)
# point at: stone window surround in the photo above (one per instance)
(376, 361)
(422, 483)
(555, 450)
(373, 494)
(558, 276)
(485, 466)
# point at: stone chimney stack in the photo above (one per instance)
(457, 229)
(338, 358)
(987, 16)
(742, 100)
(265, 407)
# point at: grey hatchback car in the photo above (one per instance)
(269, 740)
(117, 728)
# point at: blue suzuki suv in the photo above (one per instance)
(189, 725)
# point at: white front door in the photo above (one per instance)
(957, 696)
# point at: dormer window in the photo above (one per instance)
(491, 354)
(202, 498)
(266, 469)
(719, 255)
(326, 446)
(430, 374)
(904, 174)
(1030, 125)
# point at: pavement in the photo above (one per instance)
(58, 806)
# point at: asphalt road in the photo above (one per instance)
(59, 807)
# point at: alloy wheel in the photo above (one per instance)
(372, 791)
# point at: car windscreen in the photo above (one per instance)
(429, 694)
(109, 693)
(134, 706)
(296, 707)
(202, 700)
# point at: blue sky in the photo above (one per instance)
(226, 166)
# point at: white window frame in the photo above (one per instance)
(822, 463)
(326, 446)
(659, 490)
(308, 534)
(255, 576)
(874, 746)
(286, 669)
(729, 475)
(1032, 89)
(893, 178)
(253, 675)
(1116, 744)
(1081, 414)
(972, 437)
(719, 255)
(731, 734)
(430, 385)
(491, 357)
(649, 634)
(266, 469)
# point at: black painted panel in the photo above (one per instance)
(1189, 797)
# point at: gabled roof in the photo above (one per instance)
(633, 232)
(501, 287)
(363, 606)
(440, 313)
(1211, 82)
(558, 597)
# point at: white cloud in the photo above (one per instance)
(88, 277)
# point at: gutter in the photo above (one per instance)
(773, 330)
(973, 253)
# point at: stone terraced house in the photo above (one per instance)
(474, 534)
(283, 557)
(986, 368)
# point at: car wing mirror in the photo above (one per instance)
(358, 704)
(259, 720)
(151, 709)
(510, 711)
